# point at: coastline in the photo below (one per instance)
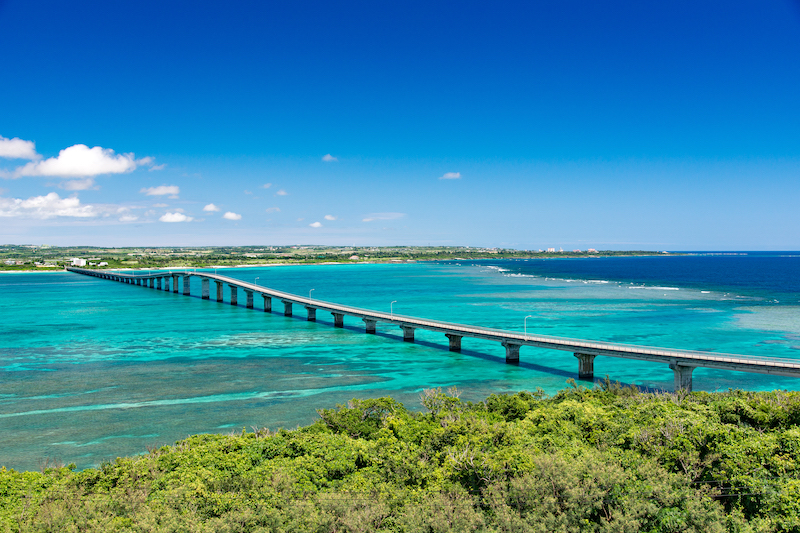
(389, 262)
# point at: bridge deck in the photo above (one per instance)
(675, 358)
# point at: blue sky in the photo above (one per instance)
(612, 125)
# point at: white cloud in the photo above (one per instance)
(282, 193)
(383, 216)
(80, 161)
(451, 176)
(48, 206)
(274, 210)
(158, 167)
(328, 158)
(330, 217)
(316, 224)
(232, 216)
(160, 205)
(211, 208)
(17, 148)
(267, 185)
(128, 218)
(78, 185)
(175, 217)
(145, 161)
(162, 190)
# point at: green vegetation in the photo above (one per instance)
(607, 459)
(14, 257)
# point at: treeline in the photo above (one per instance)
(607, 459)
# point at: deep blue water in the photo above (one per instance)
(91, 369)
(767, 275)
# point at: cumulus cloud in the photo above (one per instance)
(80, 161)
(175, 217)
(78, 185)
(232, 216)
(267, 185)
(162, 190)
(282, 193)
(273, 210)
(158, 167)
(316, 224)
(451, 176)
(383, 216)
(328, 158)
(128, 218)
(44, 207)
(17, 148)
(211, 208)
(330, 217)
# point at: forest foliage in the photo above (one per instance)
(603, 459)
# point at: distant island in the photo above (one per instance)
(43, 257)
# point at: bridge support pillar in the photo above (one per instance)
(151, 282)
(338, 320)
(249, 295)
(175, 283)
(234, 294)
(512, 352)
(139, 282)
(585, 366)
(219, 290)
(455, 342)
(683, 376)
(205, 288)
(370, 324)
(166, 283)
(267, 303)
(408, 333)
(312, 313)
(158, 284)
(186, 286)
(287, 308)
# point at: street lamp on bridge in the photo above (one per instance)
(525, 325)
(391, 308)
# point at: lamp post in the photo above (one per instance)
(525, 325)
(309, 293)
(256, 281)
(391, 308)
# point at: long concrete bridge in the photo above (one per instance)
(682, 362)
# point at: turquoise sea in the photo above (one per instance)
(92, 369)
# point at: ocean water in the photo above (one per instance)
(92, 369)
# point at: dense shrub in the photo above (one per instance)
(607, 459)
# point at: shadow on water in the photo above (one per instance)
(277, 311)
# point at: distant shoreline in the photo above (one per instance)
(262, 265)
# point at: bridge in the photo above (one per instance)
(682, 362)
